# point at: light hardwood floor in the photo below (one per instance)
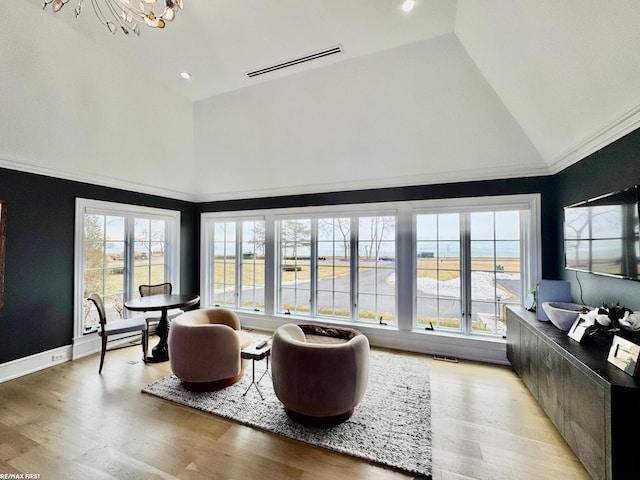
(68, 422)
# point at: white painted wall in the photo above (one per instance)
(421, 113)
(567, 70)
(82, 113)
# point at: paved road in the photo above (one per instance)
(370, 280)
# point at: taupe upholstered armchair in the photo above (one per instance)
(204, 348)
(319, 383)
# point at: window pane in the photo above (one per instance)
(140, 277)
(252, 262)
(149, 250)
(449, 226)
(377, 269)
(157, 247)
(103, 271)
(295, 266)
(224, 263)
(482, 227)
(495, 269)
(427, 227)
(333, 296)
(439, 280)
(508, 225)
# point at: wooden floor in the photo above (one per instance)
(68, 422)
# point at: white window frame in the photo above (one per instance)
(207, 258)
(86, 206)
(405, 244)
(529, 239)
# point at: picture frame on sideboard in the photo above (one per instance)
(577, 330)
(624, 355)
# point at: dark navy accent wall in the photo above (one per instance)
(38, 312)
(610, 169)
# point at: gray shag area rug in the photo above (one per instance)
(391, 425)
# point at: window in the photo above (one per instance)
(376, 269)
(468, 268)
(119, 248)
(236, 263)
(448, 265)
(149, 255)
(295, 266)
(104, 264)
(438, 271)
(316, 264)
(252, 265)
(494, 245)
(333, 288)
(224, 264)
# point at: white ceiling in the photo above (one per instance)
(452, 91)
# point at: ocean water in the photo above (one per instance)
(479, 249)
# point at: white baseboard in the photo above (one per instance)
(33, 363)
(82, 347)
(90, 344)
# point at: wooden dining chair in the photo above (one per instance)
(127, 325)
(159, 289)
(153, 318)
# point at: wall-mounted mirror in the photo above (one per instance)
(3, 235)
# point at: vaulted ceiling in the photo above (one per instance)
(452, 91)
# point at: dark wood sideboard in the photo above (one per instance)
(594, 405)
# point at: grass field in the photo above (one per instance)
(444, 269)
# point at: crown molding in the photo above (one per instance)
(618, 128)
(478, 174)
(100, 180)
(471, 175)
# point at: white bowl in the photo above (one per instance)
(562, 314)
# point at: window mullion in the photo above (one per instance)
(405, 270)
(238, 262)
(207, 253)
(129, 255)
(271, 266)
(526, 262)
(353, 270)
(313, 265)
(465, 267)
(168, 241)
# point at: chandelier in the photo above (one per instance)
(120, 14)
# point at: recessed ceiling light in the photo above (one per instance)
(185, 75)
(408, 5)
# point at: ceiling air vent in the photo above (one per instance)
(296, 61)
